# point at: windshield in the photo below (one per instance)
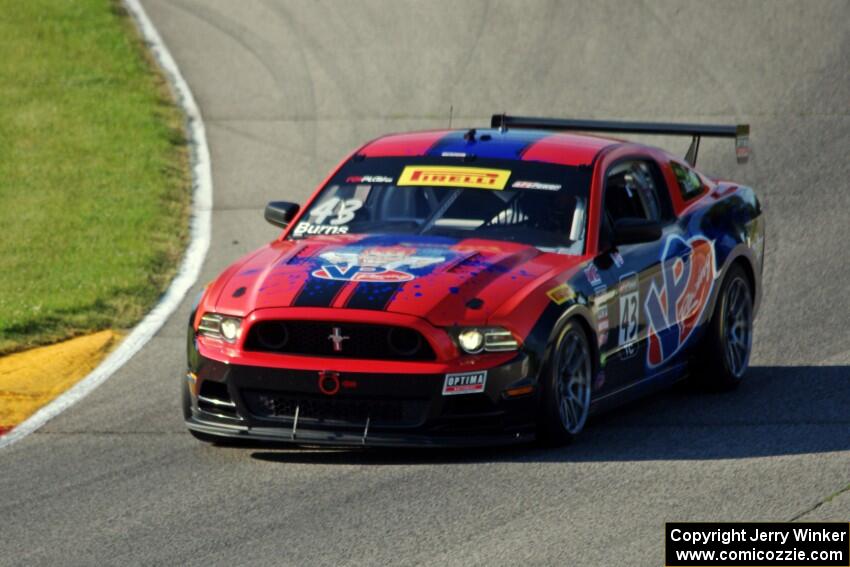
(543, 205)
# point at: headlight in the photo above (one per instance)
(230, 329)
(471, 340)
(491, 339)
(222, 327)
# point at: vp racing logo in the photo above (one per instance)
(384, 264)
(674, 309)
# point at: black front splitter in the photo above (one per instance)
(352, 439)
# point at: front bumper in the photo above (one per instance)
(366, 409)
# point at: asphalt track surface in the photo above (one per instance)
(286, 89)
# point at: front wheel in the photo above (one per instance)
(567, 386)
(726, 347)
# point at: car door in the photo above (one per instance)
(677, 300)
(634, 189)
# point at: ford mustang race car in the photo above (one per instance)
(470, 287)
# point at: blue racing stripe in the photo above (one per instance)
(318, 293)
(373, 295)
(501, 145)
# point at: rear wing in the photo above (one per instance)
(740, 132)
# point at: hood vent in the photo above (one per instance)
(465, 263)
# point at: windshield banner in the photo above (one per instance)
(451, 176)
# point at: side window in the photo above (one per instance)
(634, 189)
(690, 185)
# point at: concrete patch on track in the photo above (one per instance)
(31, 379)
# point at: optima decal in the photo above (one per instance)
(385, 264)
(674, 309)
(449, 176)
(465, 383)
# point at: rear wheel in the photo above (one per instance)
(567, 386)
(726, 347)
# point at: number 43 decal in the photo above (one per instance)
(344, 210)
(629, 309)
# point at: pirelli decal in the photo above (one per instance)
(449, 176)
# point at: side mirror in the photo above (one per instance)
(635, 231)
(281, 213)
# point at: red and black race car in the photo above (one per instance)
(449, 288)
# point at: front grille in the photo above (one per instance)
(348, 411)
(343, 340)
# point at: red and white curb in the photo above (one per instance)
(193, 259)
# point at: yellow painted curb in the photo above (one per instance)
(31, 379)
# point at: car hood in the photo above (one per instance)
(443, 280)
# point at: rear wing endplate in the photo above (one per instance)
(740, 132)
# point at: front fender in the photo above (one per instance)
(585, 317)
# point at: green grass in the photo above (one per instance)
(94, 187)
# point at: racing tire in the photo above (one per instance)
(567, 382)
(725, 351)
